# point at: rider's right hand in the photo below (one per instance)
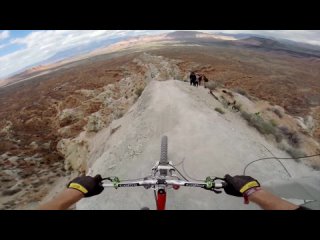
(238, 185)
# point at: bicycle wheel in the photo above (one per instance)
(164, 155)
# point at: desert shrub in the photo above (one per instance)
(291, 136)
(273, 122)
(278, 136)
(315, 167)
(9, 192)
(224, 102)
(285, 130)
(242, 92)
(294, 139)
(246, 116)
(228, 93)
(236, 107)
(259, 123)
(219, 110)
(295, 153)
(118, 115)
(212, 85)
(277, 112)
(139, 91)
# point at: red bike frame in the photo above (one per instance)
(161, 199)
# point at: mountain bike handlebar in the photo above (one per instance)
(163, 176)
(164, 182)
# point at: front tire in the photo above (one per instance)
(164, 155)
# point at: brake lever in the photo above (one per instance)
(218, 178)
(216, 191)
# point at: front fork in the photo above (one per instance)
(160, 193)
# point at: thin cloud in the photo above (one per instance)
(40, 45)
(4, 34)
(305, 36)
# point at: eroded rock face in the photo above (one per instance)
(75, 153)
(6, 129)
(70, 115)
(96, 122)
(35, 117)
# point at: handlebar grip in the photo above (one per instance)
(218, 185)
(224, 184)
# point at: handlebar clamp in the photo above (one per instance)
(115, 182)
(210, 184)
(161, 181)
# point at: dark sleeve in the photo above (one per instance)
(303, 208)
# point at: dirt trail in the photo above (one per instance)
(210, 144)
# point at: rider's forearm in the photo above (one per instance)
(268, 201)
(63, 201)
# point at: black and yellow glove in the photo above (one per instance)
(239, 185)
(89, 186)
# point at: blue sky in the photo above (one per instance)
(22, 48)
(5, 46)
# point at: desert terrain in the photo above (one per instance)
(51, 115)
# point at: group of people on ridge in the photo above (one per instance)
(197, 79)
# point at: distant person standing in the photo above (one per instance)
(196, 82)
(200, 79)
(193, 78)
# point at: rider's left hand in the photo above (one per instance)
(89, 186)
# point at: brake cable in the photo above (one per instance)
(260, 159)
(178, 172)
